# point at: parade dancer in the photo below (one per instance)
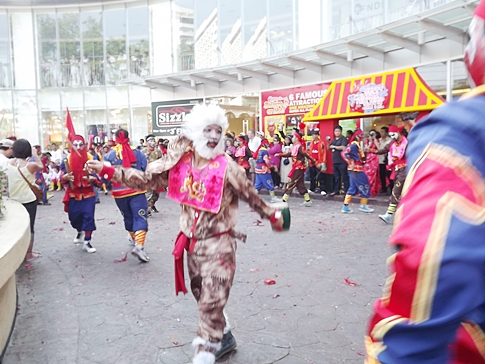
(208, 184)
(243, 154)
(297, 173)
(319, 154)
(359, 183)
(152, 153)
(432, 309)
(262, 170)
(397, 162)
(80, 197)
(131, 202)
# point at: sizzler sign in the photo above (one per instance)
(168, 117)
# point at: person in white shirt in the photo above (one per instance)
(5, 153)
(253, 145)
(57, 154)
(383, 172)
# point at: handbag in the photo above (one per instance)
(39, 195)
(286, 161)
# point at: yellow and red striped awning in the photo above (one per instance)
(379, 94)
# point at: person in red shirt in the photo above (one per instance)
(319, 166)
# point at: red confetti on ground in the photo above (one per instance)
(28, 266)
(269, 281)
(254, 269)
(257, 223)
(360, 353)
(60, 229)
(175, 342)
(112, 223)
(122, 260)
(350, 283)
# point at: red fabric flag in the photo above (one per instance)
(90, 142)
(69, 126)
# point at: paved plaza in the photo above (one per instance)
(84, 308)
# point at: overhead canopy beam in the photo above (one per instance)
(438, 28)
(278, 70)
(227, 76)
(159, 85)
(401, 42)
(204, 80)
(368, 51)
(254, 74)
(333, 58)
(304, 64)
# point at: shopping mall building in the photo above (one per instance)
(141, 64)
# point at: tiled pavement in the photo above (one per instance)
(81, 308)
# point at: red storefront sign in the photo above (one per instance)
(288, 106)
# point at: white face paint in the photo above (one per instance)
(151, 142)
(78, 145)
(394, 135)
(213, 133)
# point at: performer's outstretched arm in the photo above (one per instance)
(244, 189)
(156, 175)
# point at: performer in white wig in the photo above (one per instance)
(208, 185)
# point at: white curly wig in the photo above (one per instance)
(201, 116)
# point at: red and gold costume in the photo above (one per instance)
(80, 197)
(243, 154)
(433, 307)
(297, 173)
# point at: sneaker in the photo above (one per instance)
(346, 209)
(365, 208)
(333, 194)
(154, 209)
(79, 237)
(88, 247)
(323, 193)
(149, 213)
(311, 192)
(386, 218)
(275, 199)
(306, 203)
(228, 344)
(131, 241)
(105, 193)
(98, 201)
(139, 252)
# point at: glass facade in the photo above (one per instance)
(79, 57)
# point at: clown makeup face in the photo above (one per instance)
(78, 145)
(213, 134)
(151, 142)
(475, 52)
(394, 135)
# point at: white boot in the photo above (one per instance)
(79, 237)
(88, 247)
(204, 357)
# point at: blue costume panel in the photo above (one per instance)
(433, 309)
(359, 183)
(262, 171)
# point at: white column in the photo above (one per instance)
(23, 50)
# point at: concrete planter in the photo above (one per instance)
(15, 238)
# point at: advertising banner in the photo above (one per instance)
(288, 106)
(168, 116)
